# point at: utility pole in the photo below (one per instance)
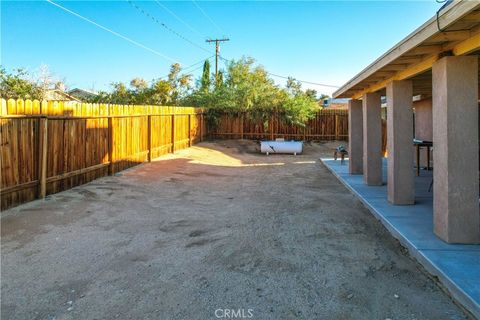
(217, 51)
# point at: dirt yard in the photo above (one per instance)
(210, 229)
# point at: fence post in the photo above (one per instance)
(42, 157)
(336, 127)
(189, 130)
(110, 145)
(201, 126)
(149, 137)
(241, 125)
(271, 127)
(173, 132)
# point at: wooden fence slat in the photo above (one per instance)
(42, 157)
(110, 146)
(149, 138)
(173, 133)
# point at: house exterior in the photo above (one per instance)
(82, 94)
(434, 71)
(336, 104)
(59, 95)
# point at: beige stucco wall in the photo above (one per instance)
(423, 119)
(423, 127)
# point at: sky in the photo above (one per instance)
(326, 42)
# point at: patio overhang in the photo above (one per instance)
(454, 32)
(438, 60)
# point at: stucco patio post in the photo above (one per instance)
(355, 137)
(372, 139)
(400, 183)
(455, 149)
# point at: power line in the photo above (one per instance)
(191, 71)
(285, 77)
(198, 62)
(217, 51)
(190, 66)
(207, 16)
(138, 44)
(147, 14)
(177, 17)
(303, 81)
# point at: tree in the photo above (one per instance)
(120, 94)
(179, 84)
(17, 85)
(161, 92)
(139, 84)
(299, 109)
(312, 93)
(205, 80)
(44, 78)
(294, 87)
(247, 88)
(219, 79)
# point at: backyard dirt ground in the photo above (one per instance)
(212, 228)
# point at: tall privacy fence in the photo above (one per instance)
(326, 125)
(51, 146)
(47, 147)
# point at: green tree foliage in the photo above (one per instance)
(172, 91)
(248, 89)
(311, 93)
(243, 87)
(18, 85)
(205, 81)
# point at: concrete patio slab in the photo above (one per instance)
(456, 266)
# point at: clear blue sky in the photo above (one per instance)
(324, 41)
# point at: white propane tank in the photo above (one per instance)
(281, 147)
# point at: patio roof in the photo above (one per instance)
(455, 30)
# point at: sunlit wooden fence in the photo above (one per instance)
(326, 125)
(47, 147)
(50, 146)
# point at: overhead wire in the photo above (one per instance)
(138, 44)
(190, 66)
(173, 31)
(165, 26)
(445, 3)
(208, 17)
(304, 81)
(161, 5)
(286, 77)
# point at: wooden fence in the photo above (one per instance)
(51, 146)
(55, 146)
(327, 125)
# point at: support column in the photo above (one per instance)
(455, 149)
(400, 183)
(355, 137)
(372, 139)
